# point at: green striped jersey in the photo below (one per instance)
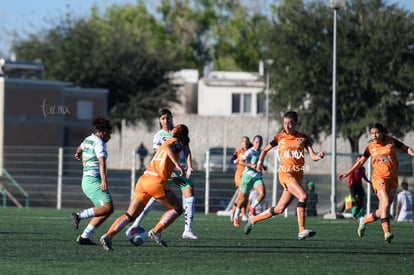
(92, 148)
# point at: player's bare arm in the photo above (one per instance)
(102, 173)
(354, 167)
(174, 159)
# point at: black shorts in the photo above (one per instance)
(357, 191)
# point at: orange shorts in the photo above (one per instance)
(149, 186)
(287, 178)
(388, 184)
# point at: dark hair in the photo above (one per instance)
(292, 115)
(404, 185)
(164, 111)
(380, 127)
(248, 143)
(101, 124)
(258, 136)
(181, 133)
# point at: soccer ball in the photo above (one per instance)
(137, 235)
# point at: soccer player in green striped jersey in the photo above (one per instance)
(93, 154)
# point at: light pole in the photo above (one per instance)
(265, 64)
(335, 5)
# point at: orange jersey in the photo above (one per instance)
(240, 168)
(291, 150)
(384, 157)
(161, 166)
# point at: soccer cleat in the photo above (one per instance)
(245, 218)
(75, 220)
(249, 226)
(189, 235)
(361, 227)
(388, 236)
(157, 238)
(106, 242)
(84, 241)
(306, 234)
(236, 222)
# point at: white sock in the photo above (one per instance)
(255, 203)
(87, 213)
(189, 208)
(88, 232)
(144, 213)
(237, 212)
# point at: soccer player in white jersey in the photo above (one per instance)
(251, 178)
(93, 154)
(185, 183)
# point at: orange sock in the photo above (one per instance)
(118, 225)
(301, 218)
(268, 213)
(370, 218)
(385, 223)
(168, 218)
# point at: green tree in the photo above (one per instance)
(220, 34)
(374, 69)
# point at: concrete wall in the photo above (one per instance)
(211, 131)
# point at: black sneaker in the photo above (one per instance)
(75, 220)
(84, 241)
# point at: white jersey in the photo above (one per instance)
(405, 199)
(252, 156)
(92, 149)
(160, 137)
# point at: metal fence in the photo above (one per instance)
(51, 177)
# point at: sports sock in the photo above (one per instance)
(144, 213)
(86, 213)
(300, 210)
(385, 223)
(168, 218)
(268, 213)
(370, 218)
(189, 207)
(118, 225)
(255, 203)
(237, 213)
(88, 232)
(243, 211)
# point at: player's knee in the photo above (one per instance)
(109, 209)
(179, 211)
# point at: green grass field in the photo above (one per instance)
(42, 241)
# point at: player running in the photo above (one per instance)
(184, 182)
(382, 150)
(245, 144)
(291, 145)
(93, 154)
(251, 179)
(153, 184)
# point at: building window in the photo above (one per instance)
(241, 103)
(85, 110)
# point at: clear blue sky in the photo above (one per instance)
(25, 16)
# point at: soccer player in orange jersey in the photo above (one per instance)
(291, 145)
(153, 183)
(382, 150)
(245, 144)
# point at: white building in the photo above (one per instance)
(230, 93)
